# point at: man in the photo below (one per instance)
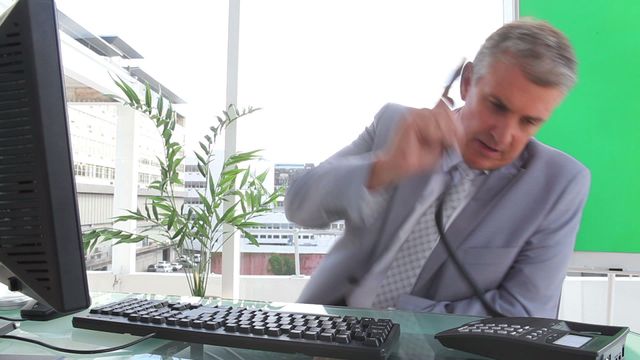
(512, 205)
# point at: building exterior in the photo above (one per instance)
(284, 174)
(89, 64)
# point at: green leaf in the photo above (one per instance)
(262, 177)
(205, 202)
(169, 114)
(230, 175)
(127, 90)
(212, 186)
(252, 239)
(160, 103)
(166, 135)
(147, 98)
(250, 224)
(245, 177)
(172, 219)
(201, 159)
(146, 209)
(204, 147)
(227, 214)
(241, 157)
(179, 231)
(178, 162)
(201, 170)
(130, 239)
(166, 207)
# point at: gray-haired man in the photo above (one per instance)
(517, 206)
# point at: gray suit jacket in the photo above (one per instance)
(515, 236)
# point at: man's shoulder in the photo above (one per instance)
(538, 154)
(391, 110)
(388, 117)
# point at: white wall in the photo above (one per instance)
(261, 288)
(584, 299)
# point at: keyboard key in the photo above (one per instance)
(212, 325)
(328, 337)
(367, 321)
(295, 334)
(258, 330)
(311, 335)
(244, 329)
(373, 342)
(343, 339)
(286, 328)
(378, 334)
(197, 324)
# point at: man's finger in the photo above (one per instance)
(446, 121)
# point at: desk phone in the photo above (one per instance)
(537, 338)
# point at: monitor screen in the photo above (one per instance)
(40, 237)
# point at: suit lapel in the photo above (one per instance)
(480, 204)
(402, 206)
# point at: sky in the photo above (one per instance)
(318, 69)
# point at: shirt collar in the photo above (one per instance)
(450, 160)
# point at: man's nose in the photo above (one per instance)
(502, 132)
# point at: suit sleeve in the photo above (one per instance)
(336, 189)
(534, 282)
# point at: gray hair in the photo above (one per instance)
(541, 51)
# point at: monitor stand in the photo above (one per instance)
(34, 310)
(7, 327)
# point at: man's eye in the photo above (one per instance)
(530, 121)
(498, 106)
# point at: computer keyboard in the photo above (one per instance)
(347, 337)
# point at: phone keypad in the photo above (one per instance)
(528, 332)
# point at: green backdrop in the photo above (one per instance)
(599, 123)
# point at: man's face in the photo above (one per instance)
(503, 110)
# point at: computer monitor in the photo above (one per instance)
(41, 251)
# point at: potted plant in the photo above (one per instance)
(183, 227)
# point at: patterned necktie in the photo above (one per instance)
(413, 253)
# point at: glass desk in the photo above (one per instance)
(416, 339)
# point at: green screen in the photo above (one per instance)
(599, 123)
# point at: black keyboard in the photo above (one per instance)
(347, 337)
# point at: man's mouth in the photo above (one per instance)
(488, 149)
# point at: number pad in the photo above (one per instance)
(527, 332)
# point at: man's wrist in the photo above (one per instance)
(380, 174)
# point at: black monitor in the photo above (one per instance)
(41, 251)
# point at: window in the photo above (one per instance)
(191, 168)
(319, 69)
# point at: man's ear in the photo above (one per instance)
(465, 80)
